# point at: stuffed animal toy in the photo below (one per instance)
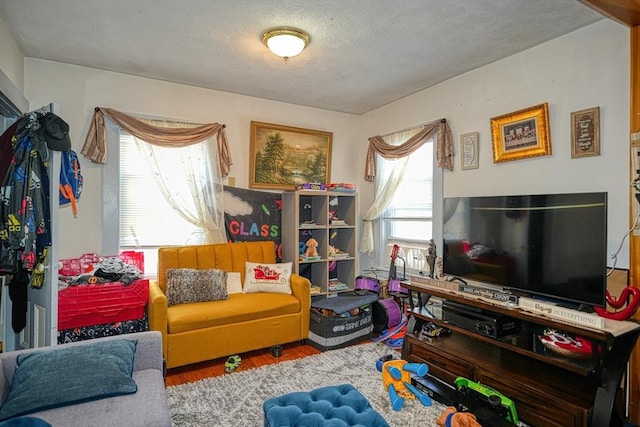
(450, 417)
(312, 245)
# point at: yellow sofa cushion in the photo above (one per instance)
(237, 308)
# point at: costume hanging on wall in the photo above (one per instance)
(24, 230)
(18, 293)
(6, 149)
(24, 201)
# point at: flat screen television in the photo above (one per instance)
(544, 245)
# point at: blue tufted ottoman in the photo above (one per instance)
(334, 406)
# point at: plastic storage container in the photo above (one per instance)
(95, 304)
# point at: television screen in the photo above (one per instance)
(551, 245)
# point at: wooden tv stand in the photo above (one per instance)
(548, 389)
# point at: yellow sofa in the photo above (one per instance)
(195, 332)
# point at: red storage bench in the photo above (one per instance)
(94, 304)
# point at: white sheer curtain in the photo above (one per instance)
(197, 165)
(390, 178)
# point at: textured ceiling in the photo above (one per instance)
(363, 53)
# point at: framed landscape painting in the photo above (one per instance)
(284, 156)
(521, 134)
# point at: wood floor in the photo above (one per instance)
(254, 359)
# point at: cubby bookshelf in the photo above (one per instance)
(330, 217)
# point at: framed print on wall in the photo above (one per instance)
(469, 150)
(521, 134)
(585, 133)
(284, 156)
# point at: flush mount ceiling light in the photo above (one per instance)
(286, 42)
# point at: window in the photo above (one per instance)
(146, 218)
(166, 196)
(408, 219)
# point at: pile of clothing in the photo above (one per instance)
(107, 270)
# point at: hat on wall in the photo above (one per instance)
(56, 132)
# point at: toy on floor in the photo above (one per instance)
(393, 337)
(232, 363)
(396, 379)
(450, 417)
(381, 361)
(488, 404)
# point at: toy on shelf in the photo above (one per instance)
(566, 345)
(312, 248)
(396, 379)
(337, 253)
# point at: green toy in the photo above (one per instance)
(489, 395)
(232, 363)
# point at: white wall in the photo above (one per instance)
(78, 90)
(587, 68)
(11, 69)
(11, 59)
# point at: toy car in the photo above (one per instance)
(429, 331)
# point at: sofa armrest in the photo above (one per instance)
(157, 312)
(148, 350)
(301, 288)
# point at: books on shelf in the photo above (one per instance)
(338, 222)
(560, 313)
(342, 187)
(315, 290)
(337, 285)
(340, 255)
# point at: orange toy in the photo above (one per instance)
(450, 417)
(396, 379)
(398, 384)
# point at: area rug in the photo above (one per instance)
(236, 399)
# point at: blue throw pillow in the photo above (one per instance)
(66, 376)
(25, 422)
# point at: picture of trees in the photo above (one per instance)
(282, 156)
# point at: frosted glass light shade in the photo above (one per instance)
(285, 42)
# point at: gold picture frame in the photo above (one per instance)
(284, 156)
(585, 133)
(521, 134)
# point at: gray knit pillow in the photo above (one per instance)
(189, 285)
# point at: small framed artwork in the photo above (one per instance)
(521, 134)
(469, 150)
(284, 156)
(585, 133)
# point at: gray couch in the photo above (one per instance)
(146, 407)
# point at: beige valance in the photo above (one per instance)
(95, 147)
(444, 147)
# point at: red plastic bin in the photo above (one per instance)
(95, 304)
